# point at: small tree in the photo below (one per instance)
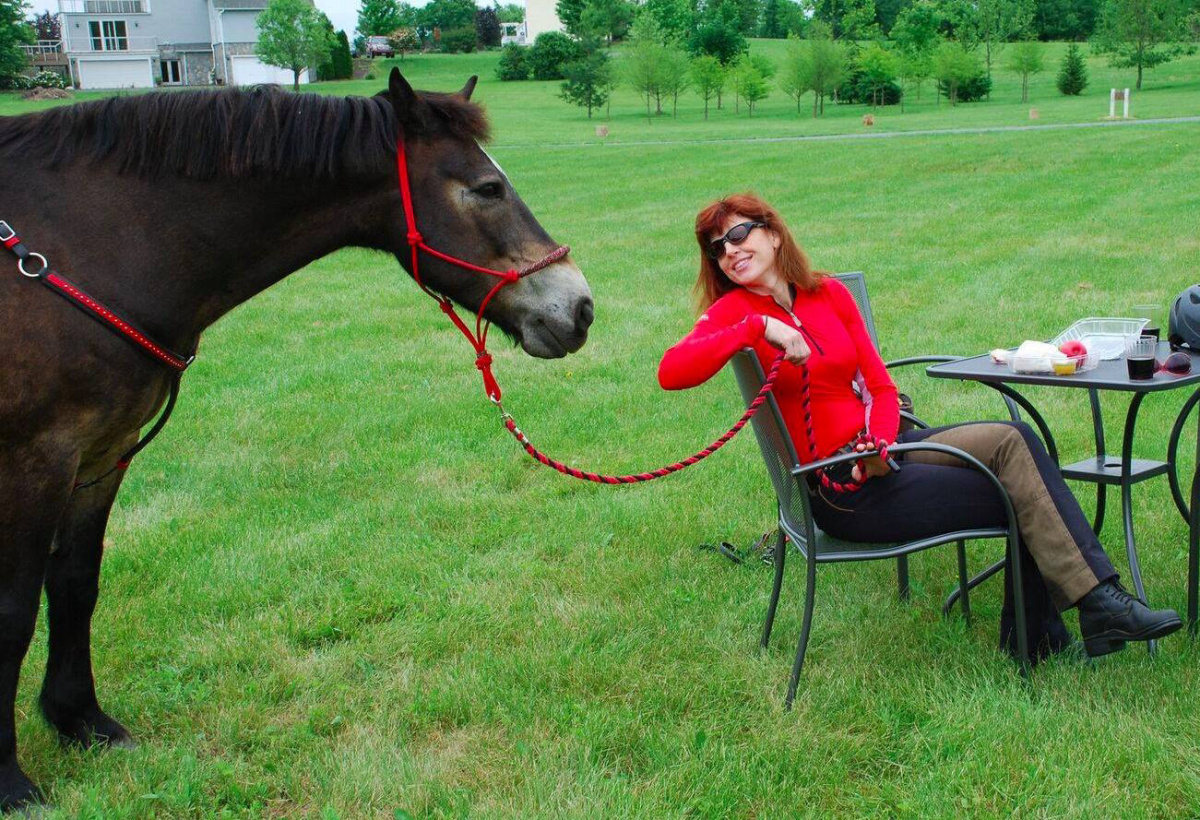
(753, 85)
(550, 54)
(47, 26)
(1142, 34)
(1024, 58)
(765, 67)
(708, 78)
(325, 68)
(513, 65)
(587, 81)
(825, 67)
(1072, 75)
(676, 75)
(487, 28)
(292, 34)
(643, 63)
(793, 79)
(953, 66)
(338, 66)
(378, 17)
(880, 68)
(916, 36)
(998, 21)
(404, 39)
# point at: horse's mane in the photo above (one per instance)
(232, 133)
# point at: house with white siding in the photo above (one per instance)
(540, 16)
(144, 43)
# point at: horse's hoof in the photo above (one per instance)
(18, 796)
(127, 742)
(95, 729)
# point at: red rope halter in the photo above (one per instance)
(416, 243)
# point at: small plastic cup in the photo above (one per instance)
(1150, 312)
(1139, 357)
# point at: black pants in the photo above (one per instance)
(1061, 558)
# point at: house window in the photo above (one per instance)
(108, 35)
(170, 72)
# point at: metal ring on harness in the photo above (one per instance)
(37, 274)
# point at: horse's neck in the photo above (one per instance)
(190, 251)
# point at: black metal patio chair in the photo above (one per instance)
(796, 523)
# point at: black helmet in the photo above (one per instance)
(1184, 327)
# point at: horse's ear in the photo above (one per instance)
(469, 88)
(400, 93)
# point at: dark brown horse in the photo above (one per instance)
(172, 209)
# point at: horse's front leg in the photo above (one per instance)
(68, 698)
(35, 483)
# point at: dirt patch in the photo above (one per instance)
(47, 94)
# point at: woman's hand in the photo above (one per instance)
(874, 465)
(787, 339)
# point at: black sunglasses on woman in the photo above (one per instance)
(735, 235)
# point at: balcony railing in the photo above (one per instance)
(103, 6)
(44, 50)
(111, 44)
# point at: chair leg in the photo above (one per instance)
(964, 583)
(974, 582)
(810, 592)
(902, 577)
(780, 556)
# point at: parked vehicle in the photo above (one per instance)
(379, 46)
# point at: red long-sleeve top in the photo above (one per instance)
(842, 354)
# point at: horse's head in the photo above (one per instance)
(466, 207)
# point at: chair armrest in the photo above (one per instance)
(926, 446)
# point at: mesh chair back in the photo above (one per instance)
(856, 282)
(773, 439)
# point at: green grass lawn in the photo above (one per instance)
(335, 589)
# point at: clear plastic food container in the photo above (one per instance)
(1105, 338)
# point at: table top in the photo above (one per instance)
(1110, 375)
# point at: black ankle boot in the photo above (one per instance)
(1109, 616)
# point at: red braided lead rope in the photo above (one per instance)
(865, 438)
(635, 478)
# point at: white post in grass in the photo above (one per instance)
(1113, 96)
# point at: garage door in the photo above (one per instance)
(115, 73)
(252, 71)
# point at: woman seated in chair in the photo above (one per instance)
(756, 289)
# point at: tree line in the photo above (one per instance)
(840, 54)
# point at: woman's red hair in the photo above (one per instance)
(790, 260)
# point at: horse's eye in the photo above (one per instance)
(489, 190)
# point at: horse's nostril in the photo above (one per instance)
(584, 314)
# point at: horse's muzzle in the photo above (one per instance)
(551, 311)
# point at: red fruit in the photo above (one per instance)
(1073, 348)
